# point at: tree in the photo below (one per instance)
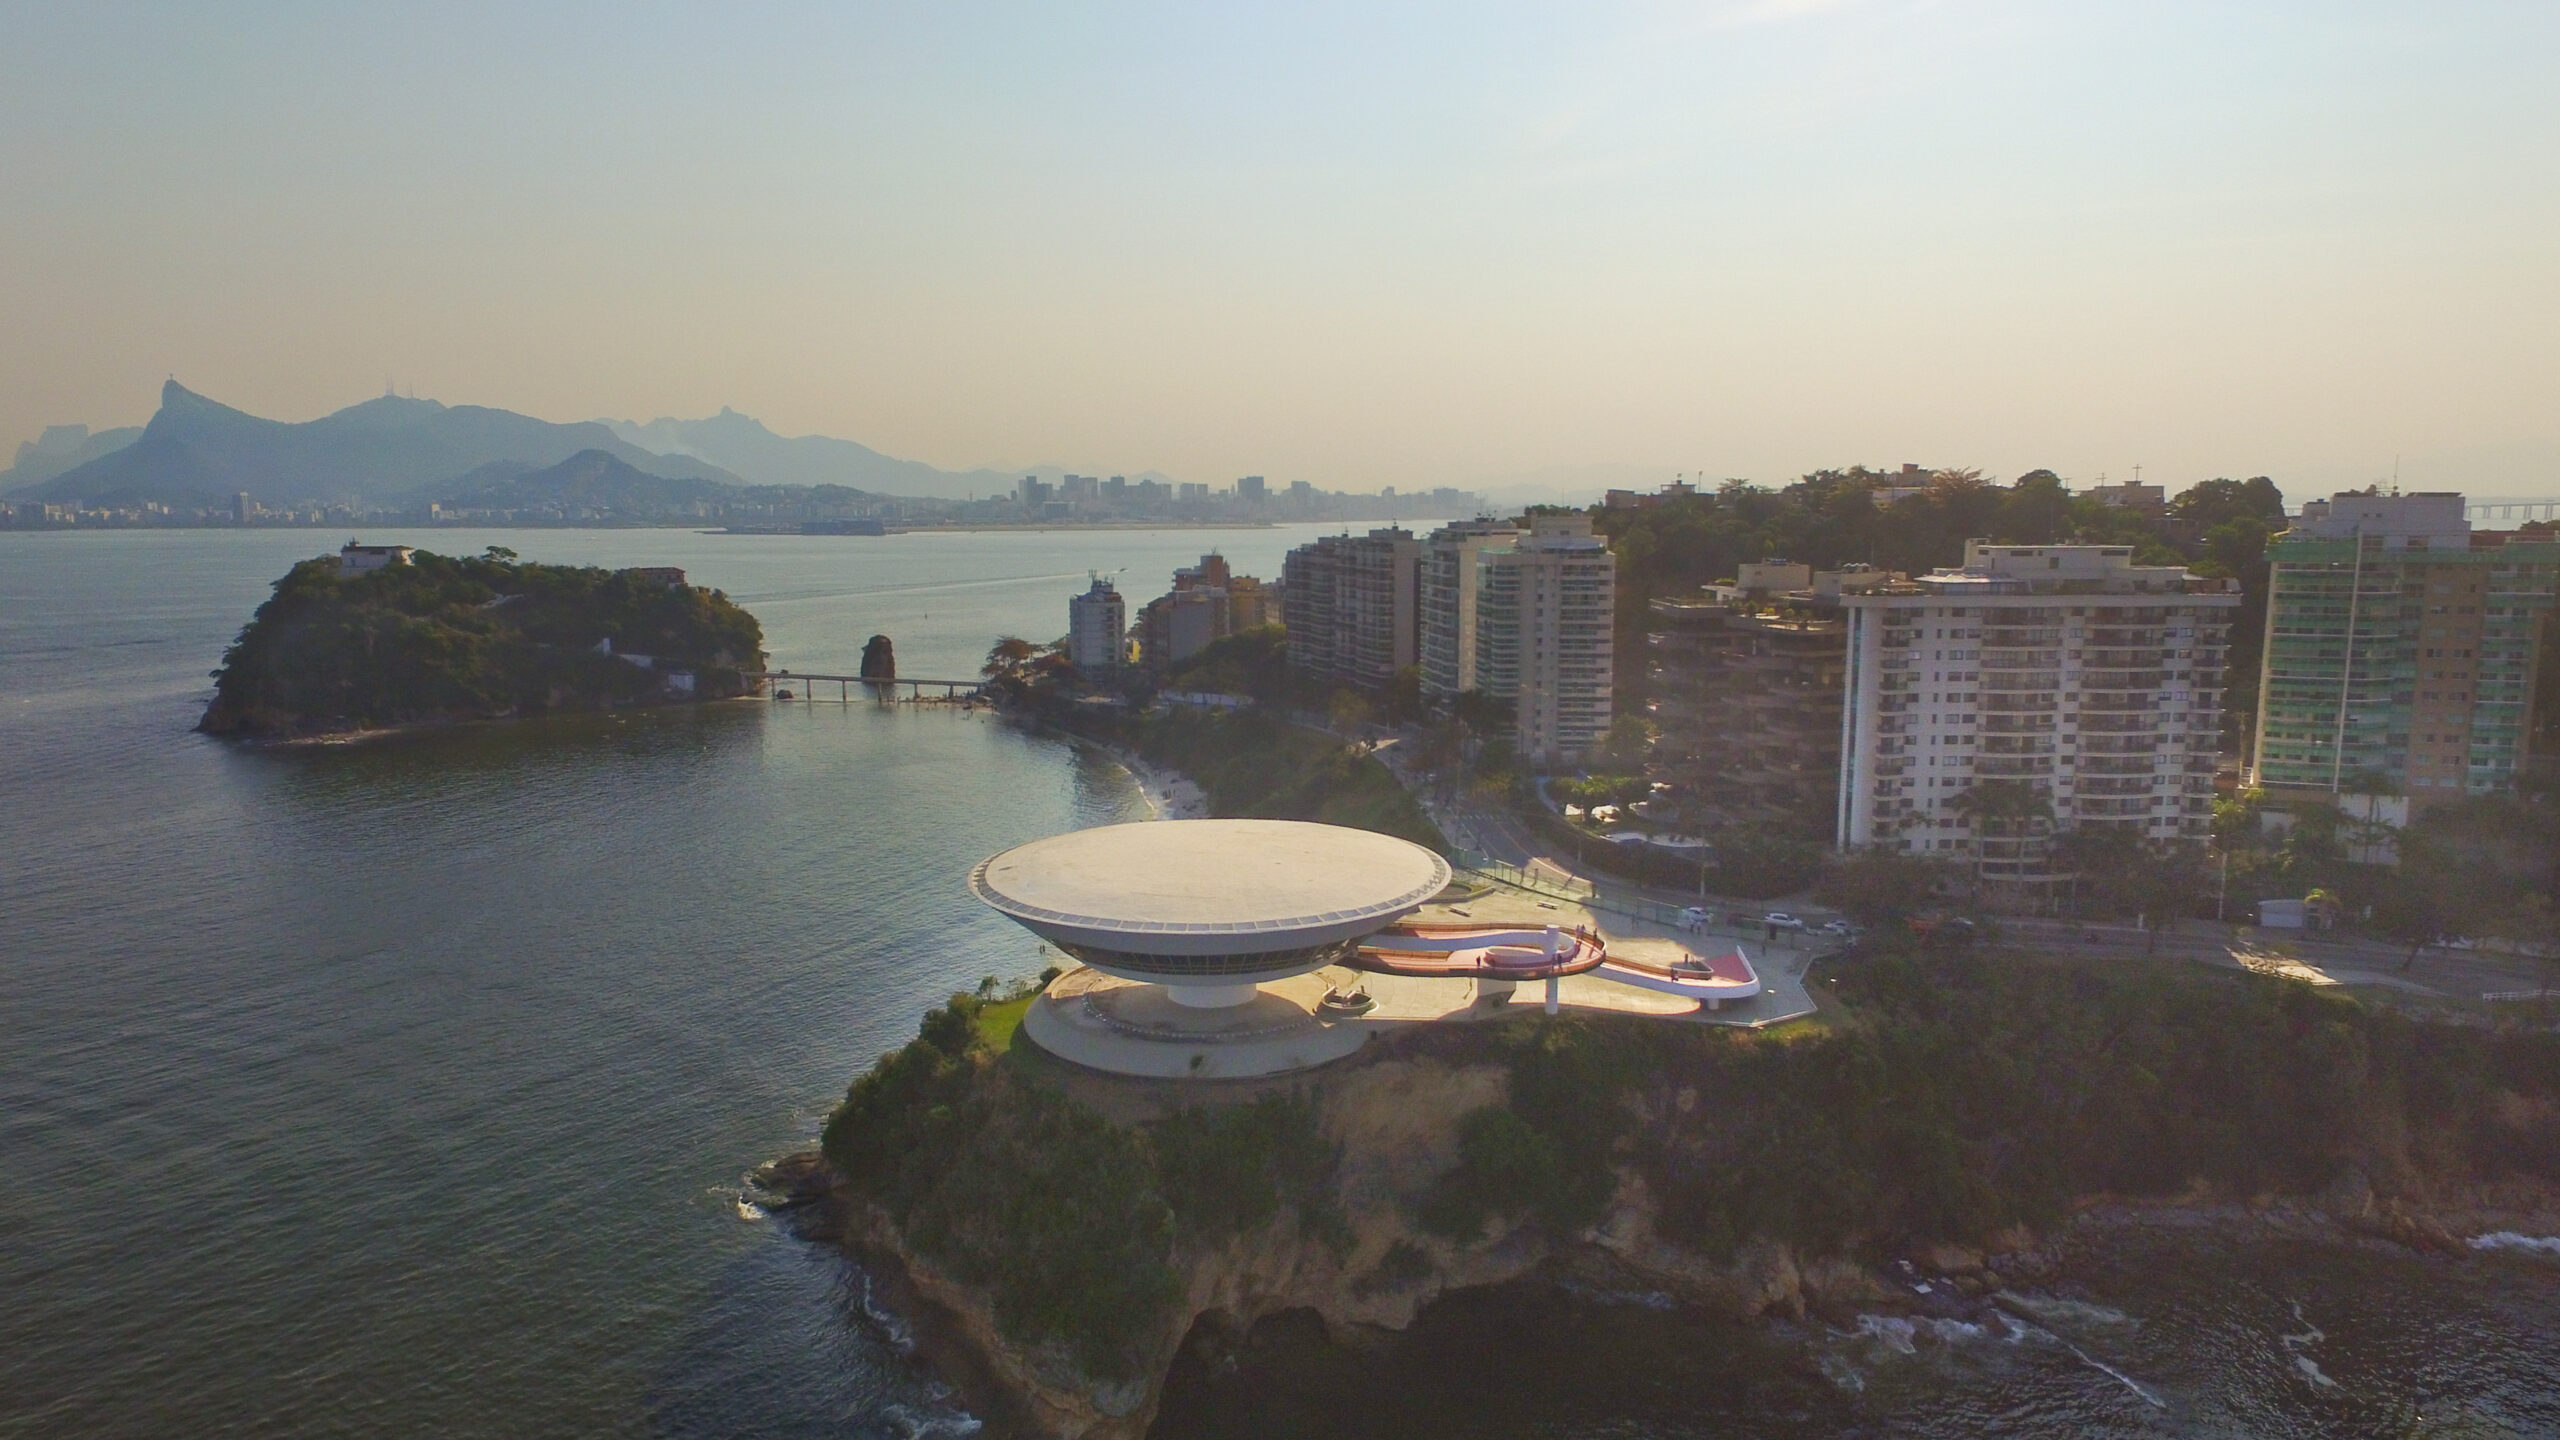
(1404, 695)
(2410, 909)
(1628, 741)
(499, 553)
(1008, 655)
(2212, 502)
(2099, 858)
(2007, 809)
(1484, 714)
(2486, 865)
(1347, 712)
(2166, 879)
(2236, 825)
(1881, 883)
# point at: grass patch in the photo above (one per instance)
(999, 1021)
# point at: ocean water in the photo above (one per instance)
(406, 1088)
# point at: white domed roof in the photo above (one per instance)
(1210, 886)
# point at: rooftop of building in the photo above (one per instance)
(1264, 878)
(2426, 514)
(1990, 570)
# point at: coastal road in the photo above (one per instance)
(2457, 974)
(2453, 974)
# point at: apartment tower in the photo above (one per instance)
(1546, 603)
(2096, 681)
(1447, 643)
(1351, 606)
(2401, 650)
(1096, 623)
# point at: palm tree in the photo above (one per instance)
(2008, 808)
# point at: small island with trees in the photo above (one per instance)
(383, 637)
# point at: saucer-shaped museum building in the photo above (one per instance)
(1210, 908)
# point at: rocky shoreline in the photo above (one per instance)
(1367, 1295)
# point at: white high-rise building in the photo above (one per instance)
(1447, 643)
(1546, 604)
(1097, 624)
(2095, 681)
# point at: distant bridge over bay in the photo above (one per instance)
(2518, 510)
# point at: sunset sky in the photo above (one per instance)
(1334, 243)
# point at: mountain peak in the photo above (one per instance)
(180, 405)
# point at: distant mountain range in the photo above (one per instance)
(742, 445)
(392, 451)
(60, 448)
(603, 485)
(588, 480)
(197, 452)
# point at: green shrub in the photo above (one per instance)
(1229, 1170)
(1959, 1094)
(1253, 766)
(1013, 1187)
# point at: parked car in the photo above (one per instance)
(1697, 917)
(1841, 928)
(1940, 931)
(1781, 920)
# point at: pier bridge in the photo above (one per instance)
(2512, 510)
(803, 685)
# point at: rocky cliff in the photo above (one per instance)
(1060, 1238)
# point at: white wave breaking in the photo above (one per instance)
(2544, 1245)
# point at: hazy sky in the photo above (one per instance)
(1338, 243)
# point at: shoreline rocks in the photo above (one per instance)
(1365, 1300)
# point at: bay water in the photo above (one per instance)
(406, 1087)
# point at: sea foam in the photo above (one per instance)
(2544, 1245)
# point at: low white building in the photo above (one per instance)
(354, 559)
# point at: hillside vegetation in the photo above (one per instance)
(1945, 1100)
(447, 639)
(1251, 765)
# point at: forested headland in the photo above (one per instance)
(1975, 1100)
(445, 639)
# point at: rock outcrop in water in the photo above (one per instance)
(440, 639)
(879, 659)
(1060, 1238)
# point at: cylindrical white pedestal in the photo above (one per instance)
(1211, 997)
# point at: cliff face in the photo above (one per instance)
(1392, 1124)
(1067, 1234)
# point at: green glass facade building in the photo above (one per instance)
(2401, 649)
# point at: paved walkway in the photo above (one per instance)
(1123, 1027)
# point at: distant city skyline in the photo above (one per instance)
(1501, 248)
